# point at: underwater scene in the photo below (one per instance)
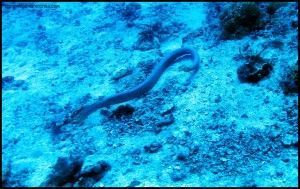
(137, 94)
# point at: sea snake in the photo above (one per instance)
(81, 114)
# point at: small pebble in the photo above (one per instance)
(244, 116)
(167, 109)
(176, 175)
(166, 121)
(134, 183)
(121, 72)
(285, 159)
(218, 99)
(152, 148)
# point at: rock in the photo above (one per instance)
(244, 116)
(64, 171)
(135, 152)
(152, 148)
(290, 140)
(285, 159)
(136, 156)
(277, 44)
(183, 154)
(294, 24)
(166, 121)
(18, 83)
(218, 99)
(77, 23)
(96, 171)
(279, 173)
(195, 148)
(254, 71)
(267, 100)
(121, 72)
(9, 83)
(92, 174)
(134, 183)
(177, 175)
(7, 79)
(167, 109)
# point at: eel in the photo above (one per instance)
(81, 114)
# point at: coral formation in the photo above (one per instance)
(240, 19)
(123, 110)
(254, 70)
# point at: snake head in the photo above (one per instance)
(78, 116)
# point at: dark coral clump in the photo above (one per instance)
(290, 81)
(7, 79)
(127, 12)
(68, 172)
(150, 36)
(153, 34)
(240, 19)
(131, 11)
(273, 7)
(64, 172)
(254, 70)
(123, 110)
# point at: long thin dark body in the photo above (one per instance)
(140, 89)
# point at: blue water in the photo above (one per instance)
(235, 124)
